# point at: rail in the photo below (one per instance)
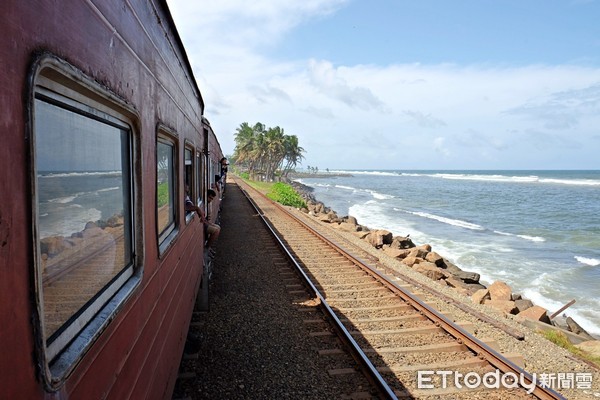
(481, 349)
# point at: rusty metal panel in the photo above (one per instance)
(131, 49)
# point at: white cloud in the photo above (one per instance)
(330, 82)
(476, 116)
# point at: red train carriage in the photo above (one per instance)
(213, 169)
(102, 135)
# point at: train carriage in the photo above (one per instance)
(103, 136)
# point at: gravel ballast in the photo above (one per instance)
(254, 343)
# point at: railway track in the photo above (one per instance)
(405, 347)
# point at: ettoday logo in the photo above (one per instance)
(497, 379)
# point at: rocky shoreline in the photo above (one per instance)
(422, 259)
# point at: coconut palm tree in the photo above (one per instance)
(293, 154)
(264, 151)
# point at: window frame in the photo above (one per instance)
(191, 180)
(200, 181)
(166, 237)
(54, 81)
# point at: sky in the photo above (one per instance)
(404, 85)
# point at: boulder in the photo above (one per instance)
(536, 313)
(362, 234)
(467, 277)
(479, 296)
(426, 247)
(418, 253)
(90, 232)
(451, 267)
(90, 225)
(457, 284)
(345, 226)
(411, 260)
(523, 304)
(577, 329)
(402, 242)
(387, 236)
(114, 221)
(506, 306)
(429, 270)
(323, 218)
(351, 220)
(380, 237)
(333, 216)
(394, 252)
(500, 291)
(473, 287)
(53, 245)
(319, 208)
(435, 258)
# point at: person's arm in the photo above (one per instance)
(190, 206)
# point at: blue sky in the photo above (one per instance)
(393, 84)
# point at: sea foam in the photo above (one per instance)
(588, 261)
(449, 221)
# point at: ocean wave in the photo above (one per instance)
(345, 187)
(316, 184)
(57, 225)
(585, 182)
(69, 199)
(512, 179)
(532, 238)
(63, 200)
(449, 221)
(108, 189)
(379, 173)
(526, 237)
(376, 195)
(508, 178)
(379, 196)
(588, 261)
(412, 174)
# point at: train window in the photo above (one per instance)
(190, 185)
(165, 191)
(83, 210)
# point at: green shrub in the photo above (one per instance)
(163, 193)
(286, 195)
(245, 175)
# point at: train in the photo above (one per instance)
(103, 137)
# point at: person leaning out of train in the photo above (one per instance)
(224, 167)
(190, 206)
(217, 185)
(212, 230)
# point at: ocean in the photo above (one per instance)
(68, 201)
(538, 231)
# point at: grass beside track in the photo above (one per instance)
(280, 192)
(561, 340)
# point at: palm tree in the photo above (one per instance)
(275, 150)
(263, 150)
(293, 153)
(244, 142)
